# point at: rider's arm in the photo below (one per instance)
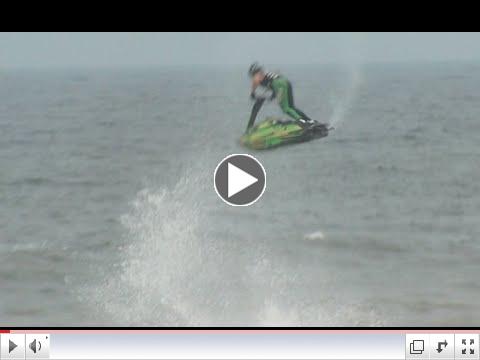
(273, 95)
(252, 92)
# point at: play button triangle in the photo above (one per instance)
(238, 180)
(11, 346)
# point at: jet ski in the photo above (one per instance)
(273, 132)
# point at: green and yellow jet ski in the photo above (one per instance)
(273, 132)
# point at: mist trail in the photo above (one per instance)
(343, 105)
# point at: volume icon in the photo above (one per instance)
(35, 346)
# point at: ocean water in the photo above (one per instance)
(108, 214)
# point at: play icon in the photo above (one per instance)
(239, 180)
(11, 346)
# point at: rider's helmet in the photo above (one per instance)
(254, 68)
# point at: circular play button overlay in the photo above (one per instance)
(239, 179)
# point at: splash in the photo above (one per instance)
(165, 258)
(178, 269)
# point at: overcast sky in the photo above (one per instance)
(137, 49)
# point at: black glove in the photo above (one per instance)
(252, 96)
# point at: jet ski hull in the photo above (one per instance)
(273, 132)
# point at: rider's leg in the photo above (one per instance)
(284, 93)
(292, 103)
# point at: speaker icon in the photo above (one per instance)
(35, 346)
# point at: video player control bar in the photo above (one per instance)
(238, 344)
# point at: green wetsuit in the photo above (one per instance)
(282, 90)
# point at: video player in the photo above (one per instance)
(259, 195)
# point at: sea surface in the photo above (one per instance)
(108, 215)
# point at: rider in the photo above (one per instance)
(281, 90)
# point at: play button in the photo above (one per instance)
(11, 346)
(239, 180)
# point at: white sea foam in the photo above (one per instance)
(314, 236)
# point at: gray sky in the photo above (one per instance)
(137, 49)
